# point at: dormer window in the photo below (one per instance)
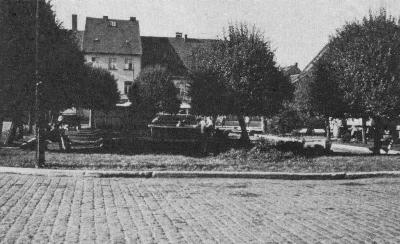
(113, 23)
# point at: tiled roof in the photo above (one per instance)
(159, 51)
(100, 37)
(175, 53)
(184, 47)
(311, 65)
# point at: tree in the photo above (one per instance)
(326, 99)
(60, 61)
(245, 71)
(207, 91)
(99, 89)
(153, 92)
(365, 61)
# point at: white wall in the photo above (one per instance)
(122, 75)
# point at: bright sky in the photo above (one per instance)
(297, 29)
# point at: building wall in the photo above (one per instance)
(122, 75)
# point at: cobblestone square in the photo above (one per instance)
(103, 210)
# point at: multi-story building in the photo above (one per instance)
(114, 45)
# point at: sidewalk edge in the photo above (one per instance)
(199, 174)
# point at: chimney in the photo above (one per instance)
(105, 17)
(132, 19)
(178, 34)
(74, 22)
(185, 37)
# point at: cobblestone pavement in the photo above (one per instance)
(65, 209)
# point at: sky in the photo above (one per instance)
(296, 29)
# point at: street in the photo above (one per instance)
(120, 210)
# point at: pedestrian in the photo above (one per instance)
(247, 121)
(209, 126)
(203, 137)
(387, 140)
(59, 120)
(353, 132)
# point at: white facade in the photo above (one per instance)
(118, 65)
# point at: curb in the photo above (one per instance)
(249, 175)
(199, 174)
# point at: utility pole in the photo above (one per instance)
(40, 150)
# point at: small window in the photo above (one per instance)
(94, 61)
(112, 64)
(127, 86)
(128, 64)
(113, 23)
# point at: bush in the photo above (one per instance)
(263, 151)
(284, 146)
(255, 156)
(269, 151)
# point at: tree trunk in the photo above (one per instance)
(328, 129)
(30, 123)
(343, 129)
(244, 136)
(214, 120)
(377, 136)
(364, 130)
(91, 124)
(40, 145)
(1, 127)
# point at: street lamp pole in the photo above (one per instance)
(39, 156)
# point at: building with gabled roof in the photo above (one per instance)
(310, 67)
(112, 36)
(112, 44)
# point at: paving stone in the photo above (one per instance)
(119, 210)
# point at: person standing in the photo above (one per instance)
(203, 136)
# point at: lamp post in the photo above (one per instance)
(40, 154)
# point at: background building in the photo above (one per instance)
(114, 45)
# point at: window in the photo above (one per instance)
(94, 61)
(112, 64)
(113, 23)
(127, 86)
(128, 64)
